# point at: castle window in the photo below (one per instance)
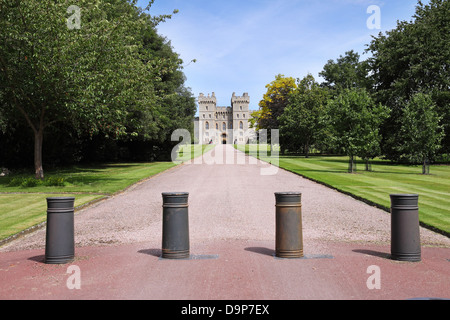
(243, 116)
(210, 116)
(224, 126)
(241, 125)
(237, 115)
(204, 116)
(230, 125)
(207, 125)
(240, 108)
(217, 126)
(206, 108)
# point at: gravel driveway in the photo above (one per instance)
(228, 200)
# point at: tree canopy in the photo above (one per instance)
(354, 119)
(274, 101)
(414, 57)
(395, 104)
(111, 78)
(301, 122)
(421, 131)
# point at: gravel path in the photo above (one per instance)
(226, 202)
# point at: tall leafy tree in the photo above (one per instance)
(174, 106)
(370, 148)
(346, 72)
(421, 131)
(352, 117)
(275, 101)
(413, 57)
(300, 123)
(90, 78)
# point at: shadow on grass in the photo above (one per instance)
(300, 170)
(74, 176)
(377, 167)
(90, 168)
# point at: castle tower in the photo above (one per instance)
(241, 114)
(220, 125)
(207, 106)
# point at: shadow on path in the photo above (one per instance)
(373, 253)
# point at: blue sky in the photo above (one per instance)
(240, 46)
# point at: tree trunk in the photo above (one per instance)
(351, 165)
(368, 165)
(38, 141)
(425, 167)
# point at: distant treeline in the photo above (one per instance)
(395, 104)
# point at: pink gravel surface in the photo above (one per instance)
(227, 200)
(231, 216)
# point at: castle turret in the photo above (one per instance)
(207, 114)
(240, 106)
(223, 124)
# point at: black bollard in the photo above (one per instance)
(289, 235)
(60, 238)
(175, 241)
(405, 232)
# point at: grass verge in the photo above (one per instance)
(375, 186)
(23, 199)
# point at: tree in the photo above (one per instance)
(421, 133)
(346, 73)
(370, 130)
(300, 123)
(413, 57)
(253, 121)
(174, 106)
(90, 78)
(352, 117)
(274, 101)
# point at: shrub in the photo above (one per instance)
(30, 182)
(15, 182)
(54, 181)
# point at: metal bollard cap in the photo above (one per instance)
(60, 202)
(408, 200)
(288, 197)
(175, 198)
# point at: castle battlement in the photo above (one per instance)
(224, 109)
(223, 124)
(240, 99)
(207, 99)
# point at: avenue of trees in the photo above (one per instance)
(84, 83)
(395, 104)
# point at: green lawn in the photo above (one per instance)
(20, 212)
(22, 206)
(195, 151)
(384, 179)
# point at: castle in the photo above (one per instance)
(224, 125)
